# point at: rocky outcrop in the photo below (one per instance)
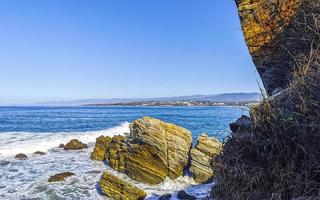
(273, 32)
(118, 189)
(244, 123)
(183, 195)
(60, 177)
(40, 153)
(75, 145)
(21, 156)
(165, 197)
(201, 158)
(154, 151)
(101, 147)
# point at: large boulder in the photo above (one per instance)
(154, 151)
(101, 147)
(277, 36)
(201, 158)
(118, 189)
(75, 145)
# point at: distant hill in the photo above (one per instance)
(225, 97)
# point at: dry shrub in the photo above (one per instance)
(280, 157)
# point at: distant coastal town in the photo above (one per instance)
(178, 103)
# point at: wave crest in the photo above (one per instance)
(12, 143)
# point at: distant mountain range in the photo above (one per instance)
(225, 97)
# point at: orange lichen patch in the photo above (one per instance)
(263, 20)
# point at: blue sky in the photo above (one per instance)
(74, 49)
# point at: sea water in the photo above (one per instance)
(29, 129)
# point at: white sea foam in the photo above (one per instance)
(27, 179)
(12, 143)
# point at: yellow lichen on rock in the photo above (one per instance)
(263, 20)
(202, 155)
(118, 189)
(154, 151)
(100, 149)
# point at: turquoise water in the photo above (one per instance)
(30, 129)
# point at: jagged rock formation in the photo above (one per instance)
(201, 158)
(154, 151)
(75, 145)
(60, 177)
(274, 38)
(100, 149)
(118, 189)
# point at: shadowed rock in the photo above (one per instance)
(60, 177)
(242, 124)
(165, 197)
(75, 145)
(39, 153)
(201, 157)
(21, 156)
(118, 189)
(185, 196)
(61, 146)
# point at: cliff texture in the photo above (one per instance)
(154, 151)
(274, 35)
(202, 155)
(119, 189)
(275, 154)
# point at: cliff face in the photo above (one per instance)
(275, 154)
(270, 31)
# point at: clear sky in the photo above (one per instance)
(74, 49)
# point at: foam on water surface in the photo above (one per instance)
(27, 179)
(12, 143)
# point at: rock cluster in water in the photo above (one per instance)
(154, 151)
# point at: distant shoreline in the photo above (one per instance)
(175, 104)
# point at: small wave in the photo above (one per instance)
(12, 143)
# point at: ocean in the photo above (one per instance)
(29, 129)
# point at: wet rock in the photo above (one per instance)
(201, 158)
(185, 196)
(61, 146)
(75, 145)
(154, 151)
(118, 189)
(60, 177)
(100, 149)
(165, 197)
(21, 156)
(39, 153)
(242, 124)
